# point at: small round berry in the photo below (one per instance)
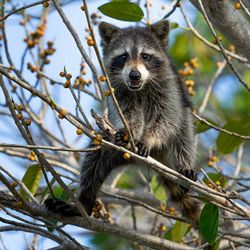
(190, 71)
(83, 8)
(66, 84)
(189, 83)
(20, 107)
(210, 163)
(96, 142)
(214, 158)
(102, 78)
(237, 6)
(172, 210)
(62, 114)
(98, 137)
(19, 116)
(50, 44)
(32, 158)
(126, 156)
(217, 183)
(96, 215)
(68, 76)
(46, 4)
(106, 216)
(79, 131)
(62, 74)
(28, 122)
(106, 93)
(90, 42)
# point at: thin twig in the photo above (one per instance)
(205, 41)
(210, 87)
(22, 8)
(107, 78)
(175, 6)
(221, 46)
(244, 137)
(31, 147)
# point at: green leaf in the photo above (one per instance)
(177, 232)
(32, 179)
(227, 144)
(208, 224)
(202, 127)
(174, 25)
(122, 10)
(158, 190)
(60, 193)
(216, 177)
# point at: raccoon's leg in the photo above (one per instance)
(96, 167)
(180, 155)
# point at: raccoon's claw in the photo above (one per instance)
(121, 138)
(58, 206)
(190, 174)
(142, 149)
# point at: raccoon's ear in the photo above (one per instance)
(107, 31)
(161, 30)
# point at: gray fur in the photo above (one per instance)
(159, 114)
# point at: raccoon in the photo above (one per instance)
(156, 106)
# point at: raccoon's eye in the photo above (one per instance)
(145, 57)
(123, 57)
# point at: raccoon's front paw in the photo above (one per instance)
(58, 206)
(121, 138)
(190, 174)
(142, 149)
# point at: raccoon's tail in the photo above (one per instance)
(189, 207)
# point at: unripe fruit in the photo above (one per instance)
(83, 8)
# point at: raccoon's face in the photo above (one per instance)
(133, 55)
(129, 65)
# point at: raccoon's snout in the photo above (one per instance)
(134, 75)
(135, 79)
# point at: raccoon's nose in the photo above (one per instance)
(134, 75)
